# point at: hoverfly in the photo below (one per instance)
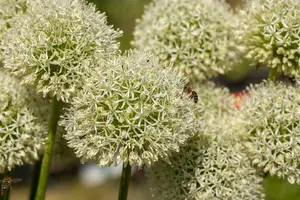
(192, 94)
(6, 183)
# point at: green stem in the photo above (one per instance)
(274, 75)
(35, 178)
(124, 183)
(49, 146)
(6, 195)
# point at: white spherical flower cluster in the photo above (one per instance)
(53, 45)
(212, 164)
(23, 125)
(271, 117)
(270, 33)
(133, 111)
(196, 35)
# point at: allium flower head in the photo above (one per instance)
(53, 45)
(132, 112)
(212, 164)
(271, 117)
(270, 31)
(23, 126)
(193, 34)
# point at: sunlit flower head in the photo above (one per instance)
(195, 35)
(53, 45)
(212, 164)
(133, 111)
(270, 32)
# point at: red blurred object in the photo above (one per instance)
(239, 96)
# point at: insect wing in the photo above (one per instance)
(16, 180)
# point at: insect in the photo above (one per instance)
(6, 183)
(192, 94)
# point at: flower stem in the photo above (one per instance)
(124, 182)
(49, 146)
(35, 178)
(5, 195)
(274, 75)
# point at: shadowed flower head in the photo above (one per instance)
(212, 164)
(53, 45)
(193, 34)
(23, 126)
(132, 112)
(213, 101)
(270, 32)
(271, 117)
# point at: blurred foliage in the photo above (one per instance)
(277, 189)
(122, 14)
(71, 189)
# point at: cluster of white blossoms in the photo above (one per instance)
(53, 45)
(271, 116)
(132, 111)
(213, 163)
(195, 35)
(270, 33)
(134, 108)
(23, 123)
(8, 9)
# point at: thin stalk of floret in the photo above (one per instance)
(49, 147)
